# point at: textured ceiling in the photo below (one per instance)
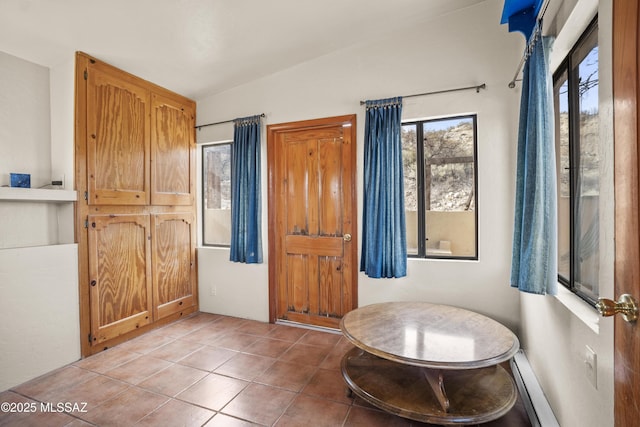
(198, 47)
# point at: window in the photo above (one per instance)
(439, 159)
(578, 166)
(216, 194)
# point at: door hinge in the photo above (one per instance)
(86, 223)
(86, 74)
(86, 195)
(90, 339)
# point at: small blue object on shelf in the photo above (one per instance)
(22, 180)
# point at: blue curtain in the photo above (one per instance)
(246, 230)
(384, 242)
(534, 259)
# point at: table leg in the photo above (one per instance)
(436, 381)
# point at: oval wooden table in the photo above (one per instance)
(430, 363)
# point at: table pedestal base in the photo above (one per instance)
(467, 396)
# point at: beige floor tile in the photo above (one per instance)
(311, 411)
(234, 341)
(245, 366)
(328, 384)
(260, 404)
(91, 393)
(173, 380)
(24, 412)
(138, 369)
(306, 354)
(147, 343)
(253, 327)
(205, 335)
(177, 413)
(323, 339)
(106, 360)
(175, 350)
(287, 333)
(56, 381)
(290, 376)
(208, 358)
(222, 420)
(125, 409)
(268, 347)
(213, 392)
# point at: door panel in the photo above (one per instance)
(120, 274)
(173, 263)
(117, 139)
(311, 199)
(172, 152)
(330, 191)
(330, 298)
(626, 87)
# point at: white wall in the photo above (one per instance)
(465, 48)
(39, 320)
(39, 323)
(24, 148)
(556, 330)
(62, 82)
(24, 115)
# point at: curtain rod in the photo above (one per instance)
(219, 123)
(527, 51)
(477, 88)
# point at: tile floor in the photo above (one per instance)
(207, 370)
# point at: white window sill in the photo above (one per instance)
(215, 248)
(576, 305)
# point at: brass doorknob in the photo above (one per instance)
(347, 237)
(626, 305)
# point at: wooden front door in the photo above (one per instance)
(626, 85)
(312, 220)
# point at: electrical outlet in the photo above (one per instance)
(591, 365)
(58, 182)
(213, 291)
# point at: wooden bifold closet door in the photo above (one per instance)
(120, 274)
(136, 231)
(118, 138)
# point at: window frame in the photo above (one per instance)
(204, 193)
(422, 179)
(568, 69)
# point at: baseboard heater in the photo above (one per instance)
(533, 398)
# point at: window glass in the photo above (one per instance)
(410, 169)
(440, 190)
(561, 101)
(578, 162)
(216, 176)
(587, 175)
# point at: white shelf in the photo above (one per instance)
(13, 194)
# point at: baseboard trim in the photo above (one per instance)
(536, 404)
(311, 327)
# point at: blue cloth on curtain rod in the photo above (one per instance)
(384, 242)
(534, 265)
(246, 216)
